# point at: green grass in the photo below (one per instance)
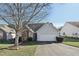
(71, 41)
(25, 50)
(75, 44)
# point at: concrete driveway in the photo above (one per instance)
(56, 49)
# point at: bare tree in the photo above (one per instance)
(18, 15)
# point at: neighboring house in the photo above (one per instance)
(70, 29)
(6, 32)
(42, 31)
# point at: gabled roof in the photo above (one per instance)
(35, 26)
(74, 23)
(5, 28)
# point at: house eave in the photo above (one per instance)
(29, 28)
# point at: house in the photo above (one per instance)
(70, 29)
(6, 32)
(42, 31)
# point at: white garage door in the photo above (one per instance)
(46, 38)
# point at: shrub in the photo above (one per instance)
(29, 39)
(71, 39)
(3, 41)
(59, 39)
(11, 41)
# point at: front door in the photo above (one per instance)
(35, 36)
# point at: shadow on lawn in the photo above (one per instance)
(27, 44)
(7, 48)
(36, 43)
(3, 48)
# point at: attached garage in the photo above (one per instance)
(44, 31)
(46, 38)
(47, 33)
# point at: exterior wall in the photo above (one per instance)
(24, 35)
(47, 31)
(1, 34)
(6, 33)
(69, 30)
(13, 35)
(27, 34)
(30, 34)
(10, 36)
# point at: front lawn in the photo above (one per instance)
(25, 50)
(71, 41)
(75, 44)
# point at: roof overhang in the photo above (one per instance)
(29, 28)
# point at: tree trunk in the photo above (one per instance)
(17, 41)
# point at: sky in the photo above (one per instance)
(61, 13)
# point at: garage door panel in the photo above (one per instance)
(46, 38)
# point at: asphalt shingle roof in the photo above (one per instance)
(36, 26)
(5, 28)
(74, 23)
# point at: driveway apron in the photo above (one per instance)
(56, 49)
